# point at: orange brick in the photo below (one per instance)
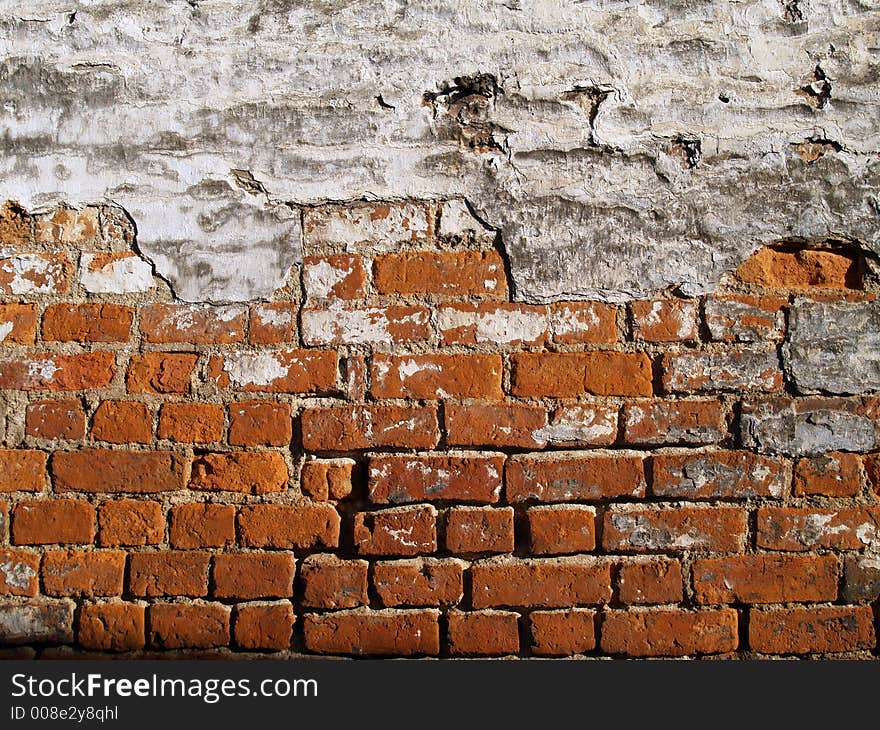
(19, 572)
(194, 626)
(56, 419)
(334, 277)
(563, 633)
(572, 477)
(108, 471)
(791, 528)
(358, 427)
(278, 371)
(501, 323)
(289, 526)
(35, 274)
(355, 376)
(479, 530)
(18, 324)
(669, 633)
(573, 374)
(561, 529)
(123, 422)
(161, 372)
(365, 325)
(47, 521)
(576, 323)
(200, 525)
(168, 573)
(476, 424)
(822, 629)
(362, 632)
(129, 522)
(239, 471)
(273, 323)
(483, 633)
(399, 478)
(664, 320)
(260, 423)
(458, 274)
(437, 376)
(68, 225)
(71, 573)
(718, 475)
(670, 528)
(404, 531)
(786, 267)
(15, 225)
(111, 627)
(22, 470)
(745, 318)
(834, 474)
(652, 580)
(324, 479)
(418, 582)
(191, 423)
(199, 325)
(254, 575)
(264, 626)
(671, 422)
(329, 582)
(87, 322)
(85, 371)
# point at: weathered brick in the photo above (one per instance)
(861, 578)
(822, 629)
(194, 626)
(745, 318)
(191, 423)
(359, 427)
(34, 274)
(396, 479)
(200, 325)
(202, 525)
(323, 479)
(364, 632)
(254, 575)
(111, 627)
(573, 374)
(260, 423)
(4, 522)
(130, 522)
(68, 225)
(329, 582)
(670, 422)
(503, 324)
(73, 573)
(334, 277)
(483, 633)
(786, 267)
(264, 625)
(668, 632)
(563, 633)
(547, 583)
(736, 370)
(161, 372)
(479, 530)
(436, 376)
(664, 320)
(477, 424)
(583, 424)
(650, 580)
(573, 476)
(55, 419)
(115, 273)
(355, 377)
(670, 528)
(791, 528)
(239, 471)
(832, 475)
(84, 371)
(375, 224)
(454, 274)
(418, 582)
(15, 225)
(22, 470)
(87, 322)
(575, 323)
(276, 371)
(718, 475)
(289, 526)
(104, 470)
(561, 529)
(37, 621)
(123, 422)
(18, 324)
(404, 531)
(168, 573)
(365, 325)
(766, 579)
(19, 572)
(47, 521)
(273, 323)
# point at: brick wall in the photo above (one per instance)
(393, 457)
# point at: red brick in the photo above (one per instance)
(323, 479)
(479, 530)
(274, 323)
(103, 470)
(87, 322)
(355, 376)
(200, 325)
(123, 422)
(745, 318)
(571, 477)
(664, 320)
(573, 374)
(563, 633)
(191, 423)
(194, 626)
(823, 629)
(260, 423)
(4, 522)
(19, 572)
(476, 424)
(18, 324)
(456, 274)
(787, 267)
(71, 573)
(22, 470)
(395, 479)
(404, 531)
(437, 376)
(239, 471)
(34, 274)
(47, 521)
(418, 582)
(791, 528)
(358, 427)
(766, 579)
(670, 528)
(734, 370)
(85, 371)
(582, 424)
(666, 423)
(483, 633)
(161, 372)
(329, 582)
(364, 632)
(202, 525)
(561, 529)
(365, 325)
(56, 419)
(650, 580)
(501, 323)
(834, 474)
(15, 225)
(718, 475)
(545, 583)
(168, 573)
(871, 463)
(302, 526)
(276, 371)
(130, 522)
(111, 627)
(254, 575)
(264, 626)
(576, 323)
(669, 633)
(334, 277)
